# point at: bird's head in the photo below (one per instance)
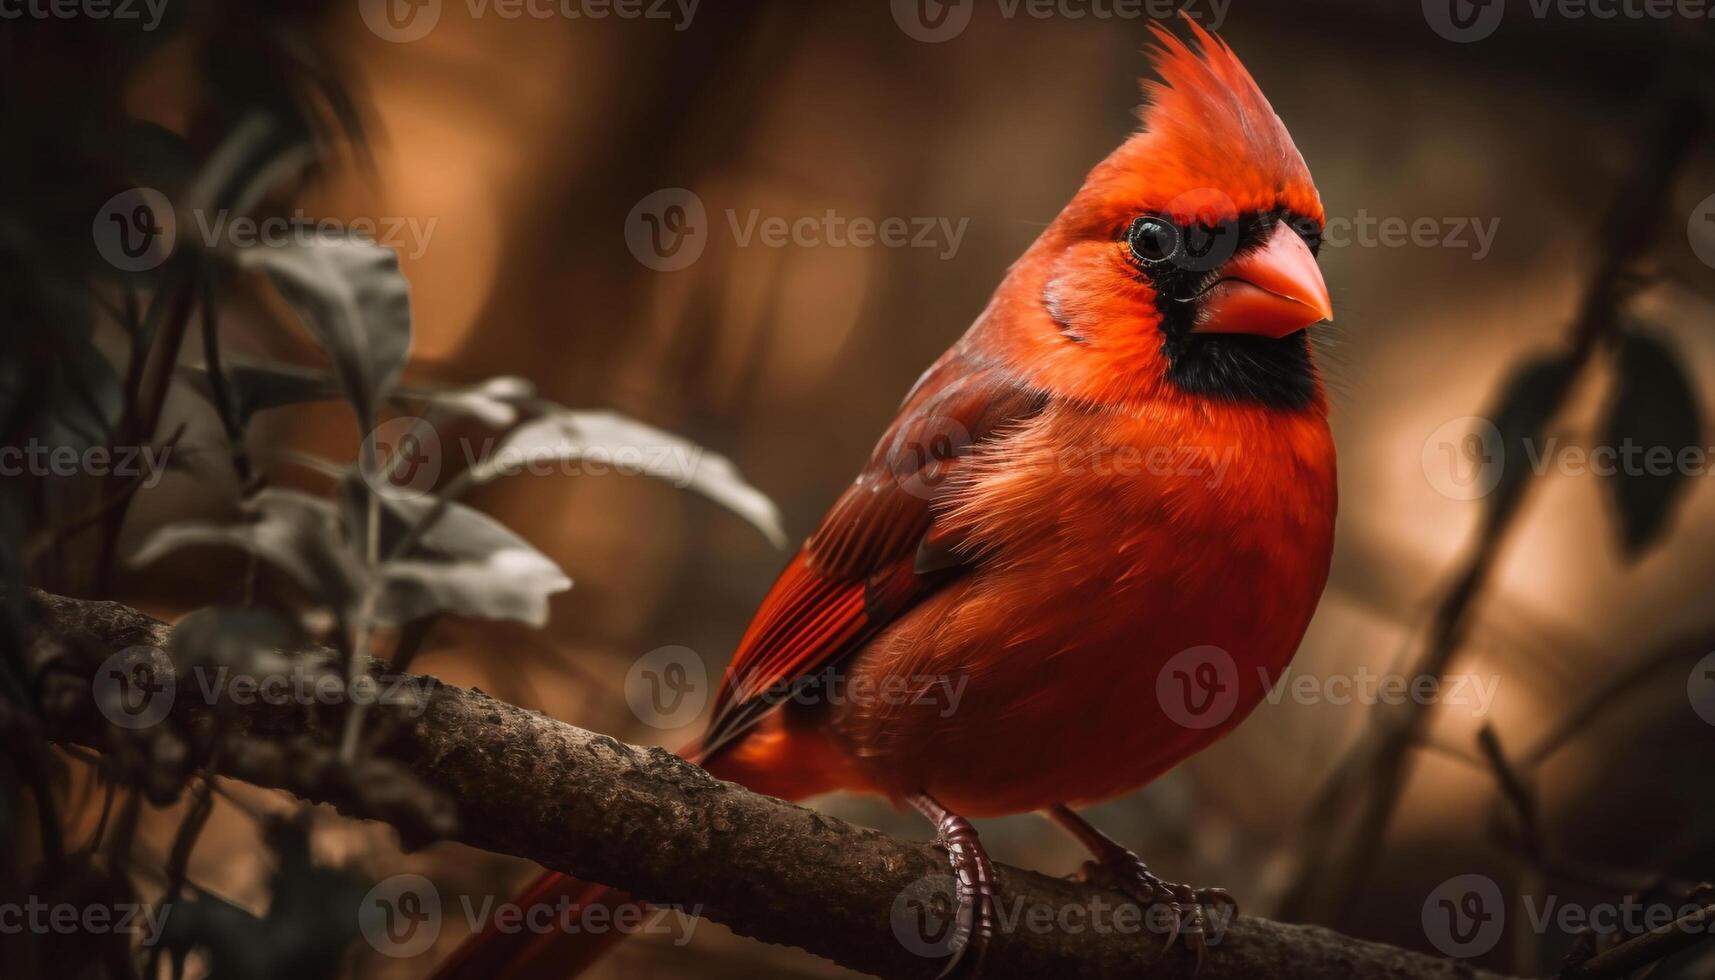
(1187, 261)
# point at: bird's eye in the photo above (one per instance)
(1152, 240)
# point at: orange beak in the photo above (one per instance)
(1274, 291)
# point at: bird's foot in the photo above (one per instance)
(974, 916)
(1198, 916)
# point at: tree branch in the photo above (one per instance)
(647, 821)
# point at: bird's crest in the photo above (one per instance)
(1208, 113)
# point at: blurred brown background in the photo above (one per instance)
(522, 145)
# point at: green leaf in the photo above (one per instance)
(1653, 413)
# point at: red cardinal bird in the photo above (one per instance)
(1127, 456)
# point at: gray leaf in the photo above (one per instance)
(627, 445)
(353, 298)
(462, 561)
(295, 532)
(259, 387)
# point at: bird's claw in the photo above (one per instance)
(974, 893)
(1196, 915)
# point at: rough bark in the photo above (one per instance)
(517, 782)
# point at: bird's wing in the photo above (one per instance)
(878, 552)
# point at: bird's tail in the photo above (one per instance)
(559, 953)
